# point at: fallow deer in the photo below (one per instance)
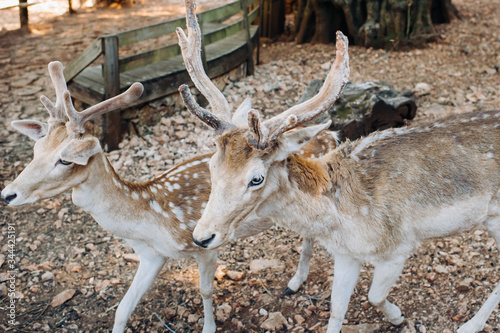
(156, 217)
(370, 200)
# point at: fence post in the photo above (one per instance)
(23, 13)
(250, 62)
(111, 73)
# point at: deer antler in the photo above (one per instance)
(191, 52)
(56, 112)
(77, 119)
(299, 114)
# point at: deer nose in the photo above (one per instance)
(204, 243)
(8, 198)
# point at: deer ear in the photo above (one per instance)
(240, 116)
(32, 128)
(79, 151)
(292, 142)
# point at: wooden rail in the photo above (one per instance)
(161, 70)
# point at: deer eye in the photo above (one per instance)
(257, 180)
(63, 162)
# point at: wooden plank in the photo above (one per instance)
(150, 57)
(21, 5)
(151, 31)
(223, 32)
(91, 53)
(111, 73)
(253, 15)
(221, 13)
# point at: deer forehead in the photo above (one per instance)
(235, 153)
(56, 137)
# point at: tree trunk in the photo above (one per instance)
(377, 23)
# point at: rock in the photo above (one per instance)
(299, 319)
(62, 297)
(170, 313)
(223, 311)
(422, 89)
(90, 246)
(441, 269)
(260, 264)
(361, 328)
(263, 312)
(270, 87)
(192, 318)
(364, 107)
(181, 134)
(220, 272)
(131, 257)
(275, 321)
(464, 285)
(235, 276)
(47, 276)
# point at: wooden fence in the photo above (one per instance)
(230, 33)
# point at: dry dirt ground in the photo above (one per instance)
(59, 247)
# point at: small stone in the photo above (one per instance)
(275, 321)
(62, 297)
(422, 89)
(299, 319)
(73, 267)
(261, 264)
(181, 134)
(263, 312)
(361, 328)
(220, 272)
(170, 313)
(192, 319)
(441, 269)
(131, 257)
(235, 276)
(47, 276)
(223, 311)
(431, 276)
(464, 285)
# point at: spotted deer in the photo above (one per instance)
(156, 217)
(370, 200)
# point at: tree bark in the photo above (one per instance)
(377, 23)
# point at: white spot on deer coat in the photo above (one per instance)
(156, 206)
(177, 212)
(135, 196)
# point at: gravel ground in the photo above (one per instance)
(60, 248)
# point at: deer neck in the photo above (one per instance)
(319, 197)
(104, 194)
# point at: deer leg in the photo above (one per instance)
(207, 263)
(385, 275)
(149, 266)
(346, 273)
(476, 323)
(303, 267)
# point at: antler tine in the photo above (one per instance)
(258, 135)
(191, 53)
(77, 119)
(56, 111)
(203, 114)
(328, 94)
